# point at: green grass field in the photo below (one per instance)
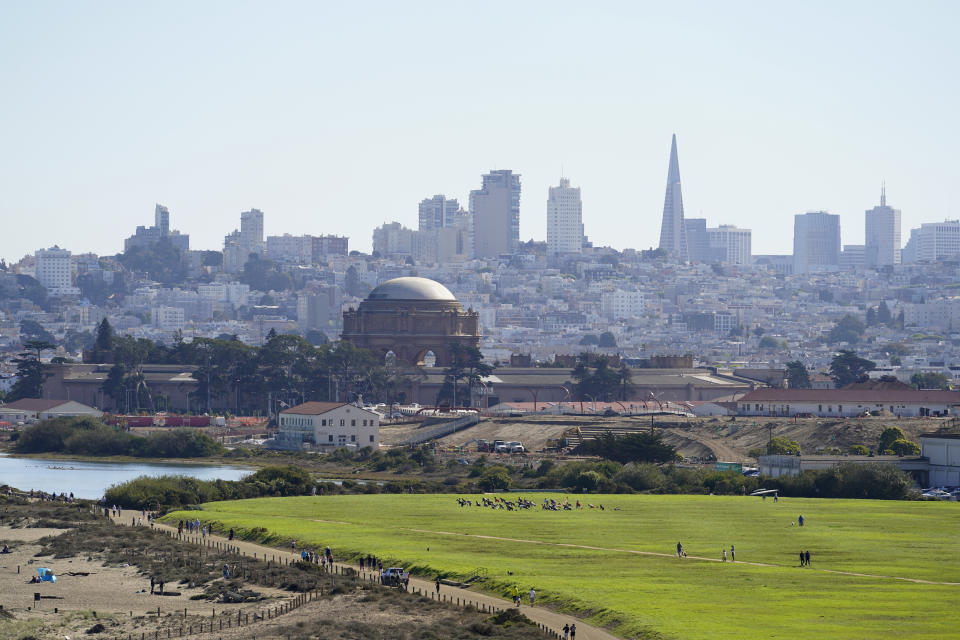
(586, 561)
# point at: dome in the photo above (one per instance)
(412, 288)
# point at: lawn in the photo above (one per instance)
(587, 561)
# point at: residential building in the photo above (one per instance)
(393, 239)
(564, 220)
(54, 271)
(882, 234)
(167, 318)
(673, 237)
(240, 244)
(328, 425)
(330, 246)
(731, 243)
(290, 249)
(495, 211)
(816, 242)
(438, 212)
(319, 309)
(622, 305)
(933, 241)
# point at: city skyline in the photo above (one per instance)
(278, 127)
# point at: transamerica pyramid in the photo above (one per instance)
(673, 235)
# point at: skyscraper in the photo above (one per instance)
(731, 244)
(673, 237)
(161, 219)
(816, 242)
(882, 234)
(438, 212)
(251, 231)
(53, 269)
(564, 220)
(495, 209)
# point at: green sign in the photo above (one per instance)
(728, 466)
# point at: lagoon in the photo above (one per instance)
(89, 480)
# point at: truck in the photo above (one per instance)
(395, 577)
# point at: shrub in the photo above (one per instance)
(859, 450)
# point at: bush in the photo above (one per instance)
(904, 447)
(859, 450)
(632, 447)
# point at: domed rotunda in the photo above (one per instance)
(411, 317)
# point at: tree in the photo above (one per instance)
(859, 450)
(160, 260)
(32, 329)
(103, 345)
(780, 445)
(769, 342)
(797, 375)
(466, 363)
(351, 282)
(847, 367)
(850, 329)
(931, 380)
(890, 435)
(31, 372)
(589, 339)
(904, 447)
(871, 317)
(607, 340)
(632, 447)
(883, 314)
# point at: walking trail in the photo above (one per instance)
(539, 614)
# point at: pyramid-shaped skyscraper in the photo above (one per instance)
(673, 236)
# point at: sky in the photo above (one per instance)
(335, 117)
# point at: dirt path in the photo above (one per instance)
(538, 614)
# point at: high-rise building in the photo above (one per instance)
(673, 237)
(816, 242)
(238, 245)
(564, 220)
(730, 244)
(882, 234)
(53, 269)
(495, 209)
(251, 231)
(853, 257)
(146, 236)
(438, 212)
(933, 241)
(161, 219)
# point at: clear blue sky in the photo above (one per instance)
(334, 117)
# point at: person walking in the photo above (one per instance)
(573, 632)
(679, 550)
(724, 555)
(438, 585)
(806, 557)
(152, 582)
(800, 520)
(516, 595)
(733, 554)
(566, 632)
(801, 557)
(533, 596)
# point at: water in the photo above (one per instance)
(91, 479)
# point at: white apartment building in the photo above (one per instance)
(564, 220)
(732, 242)
(933, 241)
(936, 315)
(292, 249)
(390, 239)
(53, 270)
(438, 212)
(882, 235)
(251, 231)
(622, 305)
(327, 425)
(167, 318)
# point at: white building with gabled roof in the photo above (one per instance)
(328, 425)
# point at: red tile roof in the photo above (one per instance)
(313, 408)
(874, 396)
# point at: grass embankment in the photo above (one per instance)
(597, 563)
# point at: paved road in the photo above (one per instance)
(539, 614)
